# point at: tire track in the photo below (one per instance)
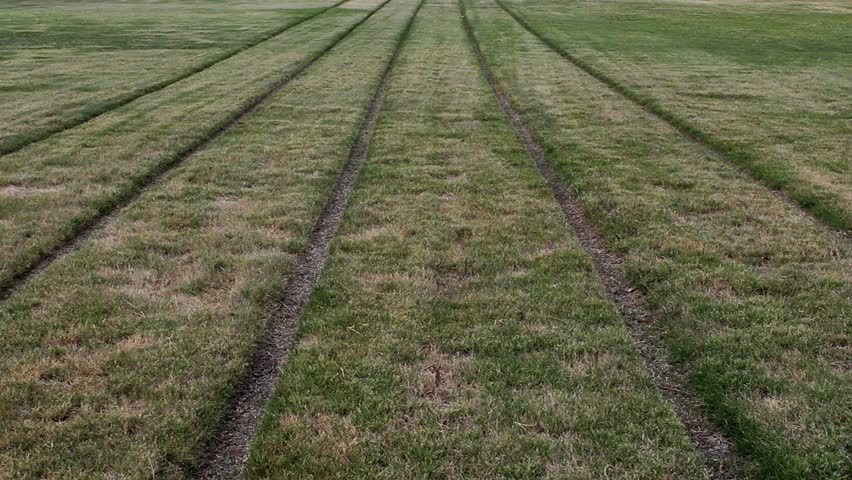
(718, 459)
(715, 148)
(146, 180)
(25, 142)
(229, 447)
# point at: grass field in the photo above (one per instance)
(89, 57)
(53, 189)
(765, 82)
(425, 239)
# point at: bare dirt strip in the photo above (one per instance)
(23, 143)
(151, 178)
(719, 460)
(229, 447)
(681, 126)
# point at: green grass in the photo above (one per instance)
(49, 189)
(62, 62)
(754, 297)
(116, 359)
(459, 330)
(766, 83)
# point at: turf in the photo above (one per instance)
(51, 189)
(117, 358)
(63, 62)
(776, 104)
(754, 297)
(459, 330)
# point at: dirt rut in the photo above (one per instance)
(715, 448)
(229, 447)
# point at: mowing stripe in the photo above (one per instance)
(28, 140)
(823, 215)
(708, 439)
(229, 447)
(155, 175)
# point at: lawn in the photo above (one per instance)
(131, 342)
(753, 295)
(459, 330)
(64, 62)
(51, 191)
(425, 239)
(767, 83)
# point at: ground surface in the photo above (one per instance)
(441, 239)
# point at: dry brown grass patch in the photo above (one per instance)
(331, 434)
(438, 378)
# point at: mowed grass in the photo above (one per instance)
(62, 62)
(459, 330)
(51, 188)
(115, 360)
(768, 83)
(755, 299)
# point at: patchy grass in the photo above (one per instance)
(459, 330)
(51, 188)
(63, 62)
(767, 83)
(754, 297)
(116, 359)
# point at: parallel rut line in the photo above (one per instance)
(718, 459)
(151, 89)
(147, 180)
(229, 446)
(715, 148)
